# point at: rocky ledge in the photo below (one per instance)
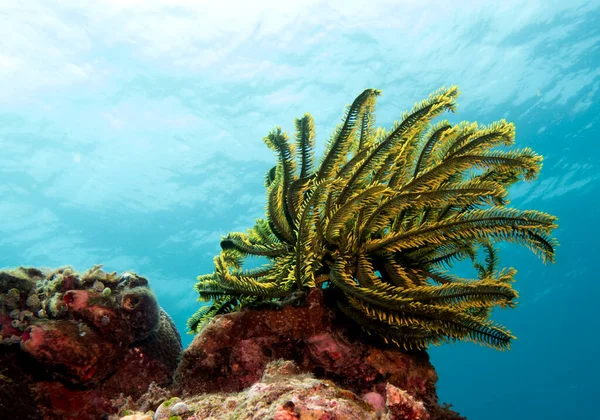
(297, 362)
(284, 393)
(98, 346)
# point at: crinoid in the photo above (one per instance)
(381, 220)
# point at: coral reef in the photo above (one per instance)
(364, 238)
(283, 392)
(379, 221)
(72, 343)
(231, 352)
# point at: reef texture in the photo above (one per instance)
(98, 346)
(284, 393)
(71, 344)
(232, 351)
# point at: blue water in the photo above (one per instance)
(131, 135)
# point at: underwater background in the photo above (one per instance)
(131, 136)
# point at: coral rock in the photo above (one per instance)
(280, 394)
(283, 393)
(230, 353)
(82, 347)
(402, 405)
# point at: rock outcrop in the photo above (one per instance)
(98, 346)
(232, 351)
(71, 344)
(284, 393)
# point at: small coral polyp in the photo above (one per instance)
(381, 219)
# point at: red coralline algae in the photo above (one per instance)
(76, 300)
(328, 350)
(402, 405)
(73, 351)
(376, 400)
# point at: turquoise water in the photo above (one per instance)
(131, 136)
